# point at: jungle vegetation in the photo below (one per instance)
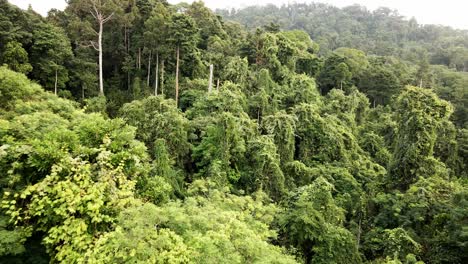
(321, 135)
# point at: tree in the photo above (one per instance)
(334, 74)
(207, 22)
(210, 222)
(88, 182)
(101, 17)
(313, 224)
(156, 33)
(50, 52)
(419, 113)
(183, 35)
(101, 12)
(16, 57)
(282, 126)
(356, 60)
(266, 173)
(379, 83)
(157, 118)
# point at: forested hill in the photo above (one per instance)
(135, 131)
(395, 50)
(381, 32)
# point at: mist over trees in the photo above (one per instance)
(145, 132)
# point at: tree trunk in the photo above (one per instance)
(420, 83)
(210, 82)
(101, 20)
(359, 233)
(101, 78)
(125, 39)
(139, 59)
(217, 86)
(162, 77)
(56, 80)
(149, 70)
(128, 81)
(177, 78)
(156, 81)
(127, 48)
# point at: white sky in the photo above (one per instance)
(446, 12)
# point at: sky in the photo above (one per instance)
(445, 12)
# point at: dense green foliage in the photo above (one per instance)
(315, 146)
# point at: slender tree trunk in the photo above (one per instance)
(210, 82)
(101, 20)
(420, 83)
(128, 80)
(162, 77)
(139, 59)
(359, 233)
(156, 81)
(217, 86)
(177, 77)
(126, 42)
(149, 70)
(125, 39)
(82, 93)
(101, 78)
(56, 80)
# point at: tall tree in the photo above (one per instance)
(51, 69)
(419, 113)
(16, 57)
(156, 33)
(183, 36)
(98, 12)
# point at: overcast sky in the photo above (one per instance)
(445, 12)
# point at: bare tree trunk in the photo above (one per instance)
(420, 83)
(101, 78)
(82, 93)
(217, 86)
(210, 82)
(156, 81)
(162, 77)
(101, 19)
(125, 39)
(56, 80)
(177, 78)
(129, 79)
(149, 70)
(139, 58)
(359, 232)
(127, 44)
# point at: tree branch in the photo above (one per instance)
(107, 18)
(91, 44)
